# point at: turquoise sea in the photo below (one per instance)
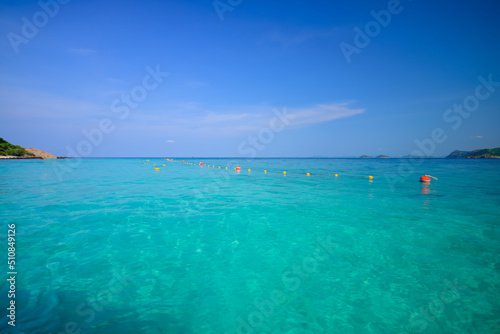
(115, 246)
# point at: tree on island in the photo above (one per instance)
(7, 149)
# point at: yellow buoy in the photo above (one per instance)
(156, 168)
(219, 167)
(265, 171)
(308, 174)
(336, 175)
(249, 169)
(163, 165)
(226, 167)
(284, 172)
(370, 177)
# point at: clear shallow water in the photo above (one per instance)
(113, 246)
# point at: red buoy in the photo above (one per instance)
(238, 167)
(425, 178)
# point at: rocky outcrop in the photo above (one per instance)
(10, 151)
(41, 154)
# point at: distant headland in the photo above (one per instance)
(10, 151)
(377, 157)
(486, 153)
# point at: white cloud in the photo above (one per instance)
(170, 141)
(478, 137)
(213, 118)
(239, 120)
(322, 113)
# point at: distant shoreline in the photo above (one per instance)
(13, 157)
(241, 158)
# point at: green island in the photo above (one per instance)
(11, 151)
(8, 149)
(486, 153)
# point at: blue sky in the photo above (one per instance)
(207, 81)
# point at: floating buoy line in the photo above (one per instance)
(238, 170)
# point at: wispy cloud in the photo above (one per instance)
(215, 118)
(170, 141)
(322, 113)
(184, 119)
(477, 137)
(240, 121)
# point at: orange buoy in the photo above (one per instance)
(425, 178)
(201, 163)
(238, 168)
